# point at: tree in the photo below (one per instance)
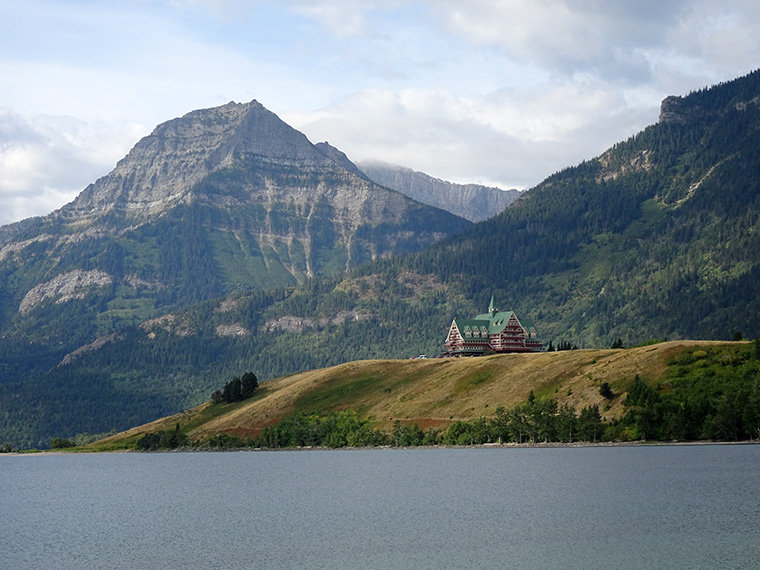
(590, 423)
(233, 391)
(639, 394)
(164, 439)
(237, 389)
(500, 425)
(566, 423)
(61, 443)
(517, 423)
(248, 385)
(605, 391)
(457, 432)
(617, 344)
(545, 414)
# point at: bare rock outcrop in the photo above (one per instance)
(95, 345)
(234, 329)
(72, 285)
(290, 323)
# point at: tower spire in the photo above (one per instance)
(491, 309)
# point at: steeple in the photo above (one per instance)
(491, 309)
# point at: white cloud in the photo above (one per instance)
(509, 138)
(487, 90)
(46, 160)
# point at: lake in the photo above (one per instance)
(589, 507)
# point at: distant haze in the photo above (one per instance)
(471, 201)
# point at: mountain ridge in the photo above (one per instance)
(196, 145)
(474, 202)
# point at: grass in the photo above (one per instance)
(437, 392)
(337, 391)
(475, 379)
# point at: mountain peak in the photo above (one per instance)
(163, 167)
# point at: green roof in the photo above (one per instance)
(493, 323)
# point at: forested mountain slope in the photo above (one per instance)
(657, 237)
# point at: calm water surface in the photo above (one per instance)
(618, 507)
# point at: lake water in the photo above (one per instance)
(595, 507)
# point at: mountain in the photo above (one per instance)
(254, 195)
(657, 237)
(220, 200)
(340, 158)
(471, 201)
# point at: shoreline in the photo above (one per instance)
(548, 445)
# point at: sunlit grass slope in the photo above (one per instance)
(429, 392)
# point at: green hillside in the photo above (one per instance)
(656, 238)
(678, 390)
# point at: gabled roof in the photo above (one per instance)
(494, 323)
(462, 324)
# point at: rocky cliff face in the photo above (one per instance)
(237, 155)
(471, 201)
(339, 158)
(164, 167)
(673, 110)
(221, 199)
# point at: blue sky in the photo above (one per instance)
(502, 92)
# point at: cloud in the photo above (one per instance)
(616, 39)
(508, 138)
(566, 37)
(492, 91)
(46, 160)
(344, 19)
(533, 86)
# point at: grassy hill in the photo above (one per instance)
(438, 392)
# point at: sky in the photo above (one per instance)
(497, 92)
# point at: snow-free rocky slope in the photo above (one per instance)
(219, 200)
